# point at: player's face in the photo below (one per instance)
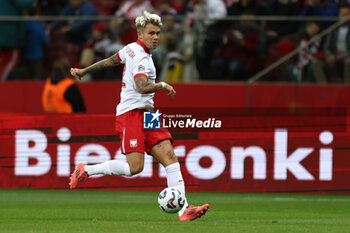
(149, 36)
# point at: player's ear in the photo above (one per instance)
(139, 33)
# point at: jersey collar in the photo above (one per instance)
(143, 46)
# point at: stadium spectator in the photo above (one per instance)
(243, 5)
(105, 7)
(131, 9)
(304, 66)
(321, 8)
(137, 95)
(178, 5)
(165, 7)
(171, 32)
(117, 43)
(121, 30)
(76, 31)
(126, 14)
(208, 31)
(13, 35)
(116, 32)
(337, 51)
(49, 7)
(31, 66)
(95, 50)
(61, 94)
(342, 2)
(190, 72)
(171, 40)
(276, 30)
(238, 54)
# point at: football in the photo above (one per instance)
(171, 200)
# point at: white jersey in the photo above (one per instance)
(137, 61)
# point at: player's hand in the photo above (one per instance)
(170, 90)
(77, 73)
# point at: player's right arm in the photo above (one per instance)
(143, 86)
(105, 63)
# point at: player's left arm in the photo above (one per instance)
(105, 63)
(143, 86)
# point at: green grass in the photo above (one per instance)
(121, 211)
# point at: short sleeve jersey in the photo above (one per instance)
(137, 61)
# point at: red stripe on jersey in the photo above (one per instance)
(120, 60)
(141, 74)
(143, 46)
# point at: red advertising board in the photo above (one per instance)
(40, 151)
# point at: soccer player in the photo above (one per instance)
(138, 89)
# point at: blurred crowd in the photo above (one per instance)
(200, 39)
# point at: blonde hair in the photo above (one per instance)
(146, 18)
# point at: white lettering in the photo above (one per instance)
(24, 151)
(326, 157)
(206, 124)
(199, 124)
(239, 154)
(165, 123)
(170, 123)
(63, 152)
(181, 124)
(283, 162)
(32, 159)
(190, 123)
(196, 154)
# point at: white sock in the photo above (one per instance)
(174, 178)
(111, 168)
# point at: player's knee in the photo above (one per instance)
(136, 169)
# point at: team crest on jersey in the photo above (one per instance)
(141, 68)
(133, 142)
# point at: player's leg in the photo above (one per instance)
(134, 165)
(132, 145)
(163, 151)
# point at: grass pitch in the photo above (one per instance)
(135, 211)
